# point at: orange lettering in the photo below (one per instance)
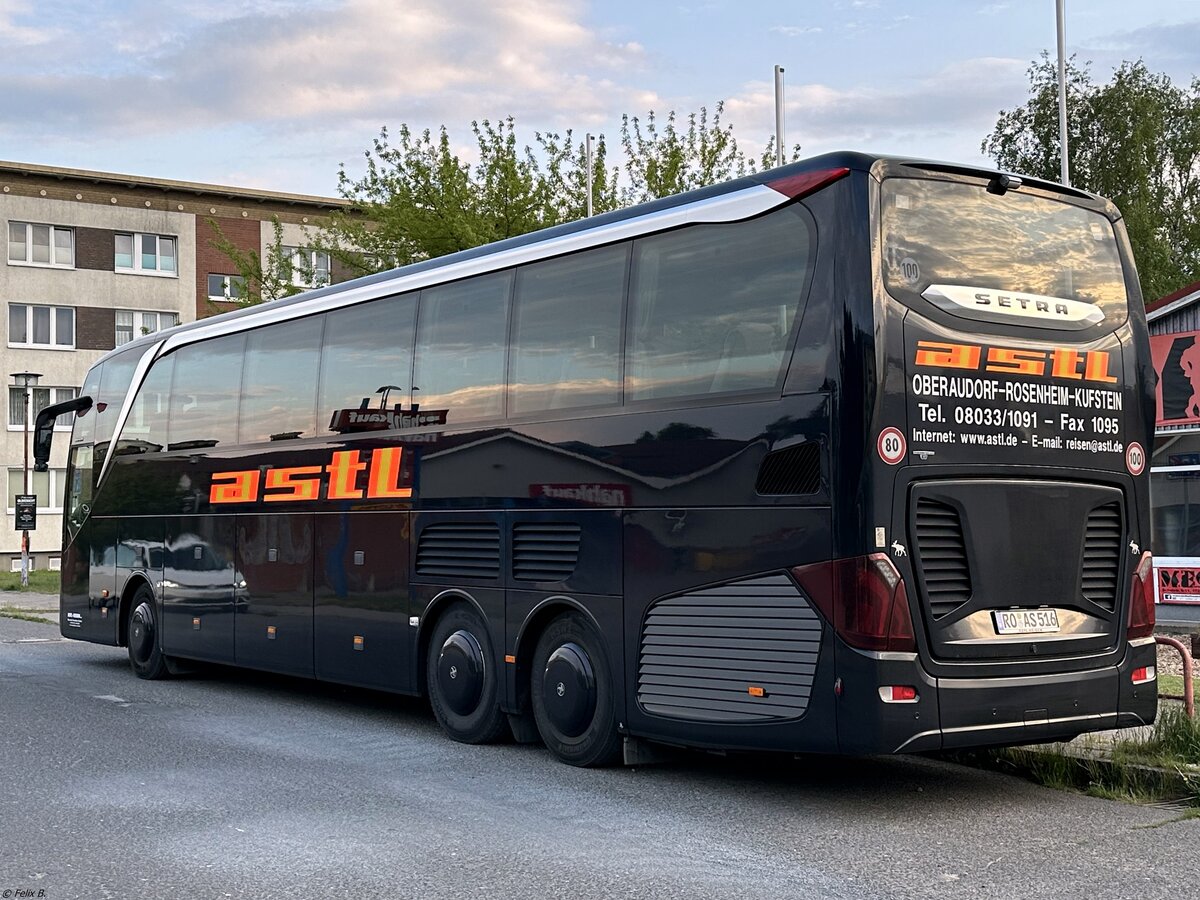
(242, 487)
(1097, 367)
(948, 356)
(304, 489)
(343, 475)
(1066, 363)
(1020, 362)
(383, 482)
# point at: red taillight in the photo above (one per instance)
(1141, 599)
(898, 693)
(806, 182)
(1143, 674)
(864, 599)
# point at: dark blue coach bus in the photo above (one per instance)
(847, 456)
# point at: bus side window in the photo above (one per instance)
(145, 430)
(461, 342)
(204, 393)
(566, 332)
(367, 348)
(279, 387)
(713, 306)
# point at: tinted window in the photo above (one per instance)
(204, 393)
(460, 348)
(937, 232)
(85, 422)
(567, 332)
(279, 389)
(712, 306)
(146, 428)
(115, 377)
(367, 355)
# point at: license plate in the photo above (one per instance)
(1025, 621)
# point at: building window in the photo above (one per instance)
(226, 287)
(135, 323)
(41, 326)
(40, 398)
(48, 486)
(41, 245)
(146, 254)
(308, 268)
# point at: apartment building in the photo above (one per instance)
(95, 259)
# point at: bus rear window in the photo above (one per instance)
(967, 250)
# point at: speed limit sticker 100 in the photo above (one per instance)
(891, 446)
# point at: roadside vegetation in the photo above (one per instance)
(40, 582)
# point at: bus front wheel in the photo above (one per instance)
(572, 694)
(145, 645)
(460, 673)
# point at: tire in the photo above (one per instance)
(571, 688)
(460, 672)
(144, 637)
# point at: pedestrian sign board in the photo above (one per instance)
(26, 512)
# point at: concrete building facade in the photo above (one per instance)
(95, 259)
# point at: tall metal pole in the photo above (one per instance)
(779, 115)
(1062, 92)
(588, 163)
(25, 532)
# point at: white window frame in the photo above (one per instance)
(137, 324)
(226, 294)
(59, 394)
(55, 230)
(303, 262)
(52, 482)
(138, 238)
(53, 345)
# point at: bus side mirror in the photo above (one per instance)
(43, 429)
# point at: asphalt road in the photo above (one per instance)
(229, 784)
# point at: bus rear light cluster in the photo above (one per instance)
(899, 693)
(806, 182)
(864, 599)
(1142, 674)
(1141, 599)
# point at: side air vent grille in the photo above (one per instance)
(545, 551)
(740, 652)
(943, 556)
(793, 470)
(1102, 555)
(459, 550)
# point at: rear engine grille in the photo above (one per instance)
(467, 550)
(545, 552)
(1102, 555)
(702, 653)
(943, 556)
(793, 470)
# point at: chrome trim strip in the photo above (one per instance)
(139, 372)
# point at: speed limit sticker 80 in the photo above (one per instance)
(891, 446)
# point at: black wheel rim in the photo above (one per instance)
(569, 690)
(141, 633)
(460, 672)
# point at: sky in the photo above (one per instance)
(277, 94)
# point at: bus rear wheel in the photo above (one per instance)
(572, 695)
(145, 641)
(460, 672)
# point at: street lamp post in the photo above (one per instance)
(26, 381)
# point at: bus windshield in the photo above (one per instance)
(939, 233)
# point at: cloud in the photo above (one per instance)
(1173, 49)
(311, 66)
(952, 108)
(796, 30)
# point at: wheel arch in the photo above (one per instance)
(132, 584)
(429, 620)
(538, 620)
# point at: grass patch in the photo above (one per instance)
(11, 612)
(1163, 766)
(1170, 684)
(41, 581)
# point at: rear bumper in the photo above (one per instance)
(955, 713)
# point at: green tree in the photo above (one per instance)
(262, 277)
(1135, 140)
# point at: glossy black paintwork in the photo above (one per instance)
(663, 494)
